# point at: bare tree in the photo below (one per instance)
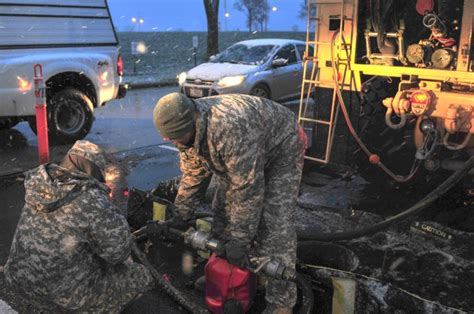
(303, 12)
(255, 10)
(262, 15)
(212, 14)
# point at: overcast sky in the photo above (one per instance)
(189, 15)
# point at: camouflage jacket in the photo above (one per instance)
(236, 137)
(67, 234)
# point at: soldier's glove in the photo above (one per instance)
(155, 227)
(177, 223)
(235, 252)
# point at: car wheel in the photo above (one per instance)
(8, 123)
(70, 116)
(260, 90)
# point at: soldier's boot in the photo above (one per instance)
(273, 309)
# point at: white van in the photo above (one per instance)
(76, 44)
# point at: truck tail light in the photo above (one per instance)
(119, 65)
(23, 84)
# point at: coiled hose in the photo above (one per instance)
(373, 158)
(165, 285)
(418, 207)
(307, 292)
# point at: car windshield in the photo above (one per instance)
(243, 54)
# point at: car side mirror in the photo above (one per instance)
(280, 62)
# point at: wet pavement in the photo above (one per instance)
(407, 268)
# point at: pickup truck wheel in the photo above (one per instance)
(70, 116)
(8, 123)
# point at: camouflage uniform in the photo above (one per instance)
(253, 147)
(71, 246)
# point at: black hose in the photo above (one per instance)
(421, 205)
(13, 175)
(165, 285)
(308, 298)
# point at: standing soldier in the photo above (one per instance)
(254, 147)
(72, 246)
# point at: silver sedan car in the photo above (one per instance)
(270, 68)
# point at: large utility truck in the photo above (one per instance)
(402, 75)
(75, 43)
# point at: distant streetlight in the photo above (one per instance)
(138, 21)
(226, 14)
(274, 9)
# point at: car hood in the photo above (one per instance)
(216, 71)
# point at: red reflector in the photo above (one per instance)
(423, 6)
(126, 193)
(119, 65)
(420, 102)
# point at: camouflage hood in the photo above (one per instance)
(49, 187)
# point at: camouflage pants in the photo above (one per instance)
(108, 292)
(119, 285)
(276, 236)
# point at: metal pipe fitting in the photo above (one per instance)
(395, 126)
(454, 146)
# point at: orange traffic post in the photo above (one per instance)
(41, 115)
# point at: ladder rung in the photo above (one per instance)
(324, 85)
(318, 82)
(312, 58)
(315, 121)
(319, 42)
(306, 81)
(328, 1)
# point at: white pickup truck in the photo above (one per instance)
(76, 44)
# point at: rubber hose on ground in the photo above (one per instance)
(165, 285)
(308, 298)
(421, 205)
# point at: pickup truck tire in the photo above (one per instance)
(70, 116)
(8, 123)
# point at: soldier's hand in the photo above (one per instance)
(177, 223)
(236, 253)
(156, 227)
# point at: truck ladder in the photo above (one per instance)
(312, 76)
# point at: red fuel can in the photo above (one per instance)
(226, 283)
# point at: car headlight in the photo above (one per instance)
(182, 78)
(231, 81)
